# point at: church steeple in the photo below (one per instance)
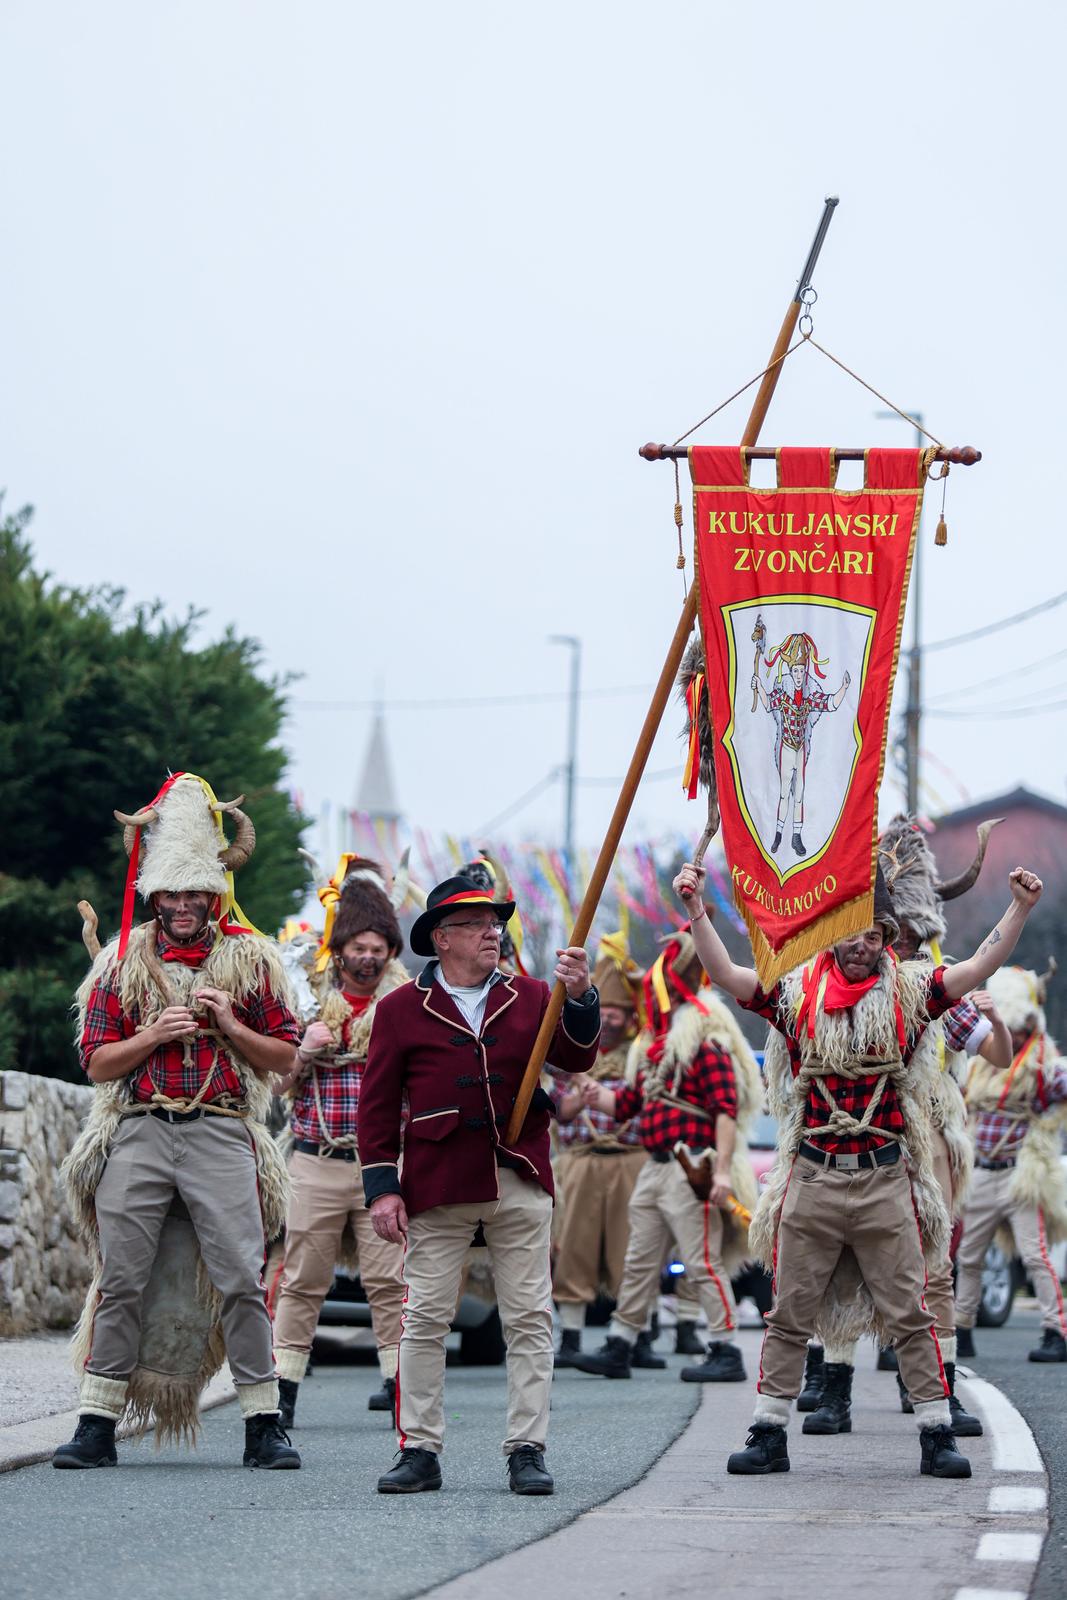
(375, 793)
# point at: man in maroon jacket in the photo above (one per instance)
(453, 1047)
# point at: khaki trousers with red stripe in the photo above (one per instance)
(989, 1204)
(663, 1207)
(872, 1212)
(517, 1227)
(594, 1193)
(327, 1195)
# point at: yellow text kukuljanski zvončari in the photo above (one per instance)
(817, 558)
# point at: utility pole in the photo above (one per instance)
(913, 712)
(571, 768)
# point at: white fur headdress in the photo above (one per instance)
(181, 844)
(1018, 995)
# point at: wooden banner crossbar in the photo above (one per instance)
(958, 455)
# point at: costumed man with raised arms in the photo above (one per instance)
(855, 1162)
(598, 1160)
(970, 1026)
(693, 1091)
(453, 1048)
(1017, 1118)
(175, 1180)
(357, 965)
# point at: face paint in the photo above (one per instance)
(364, 969)
(171, 916)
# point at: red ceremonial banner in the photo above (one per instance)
(802, 592)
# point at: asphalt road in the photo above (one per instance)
(1040, 1393)
(180, 1524)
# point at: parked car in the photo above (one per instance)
(477, 1319)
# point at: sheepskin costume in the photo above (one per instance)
(706, 1020)
(176, 843)
(1038, 1179)
(842, 1040)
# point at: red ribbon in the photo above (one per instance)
(131, 872)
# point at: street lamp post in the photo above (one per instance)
(571, 769)
(913, 711)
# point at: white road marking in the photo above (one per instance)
(989, 1594)
(1014, 1447)
(1009, 1547)
(1014, 1497)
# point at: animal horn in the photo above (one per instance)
(1046, 977)
(228, 805)
(90, 923)
(236, 854)
(130, 824)
(952, 888)
(401, 879)
(316, 870)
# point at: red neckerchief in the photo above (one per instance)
(190, 955)
(357, 1003)
(798, 697)
(838, 994)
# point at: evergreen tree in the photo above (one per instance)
(97, 702)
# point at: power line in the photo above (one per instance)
(1001, 677)
(994, 627)
(648, 777)
(1002, 711)
(536, 697)
(517, 805)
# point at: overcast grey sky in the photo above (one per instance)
(345, 322)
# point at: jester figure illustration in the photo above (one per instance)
(796, 706)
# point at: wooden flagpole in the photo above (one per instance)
(662, 693)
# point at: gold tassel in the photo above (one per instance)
(941, 534)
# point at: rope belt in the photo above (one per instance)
(842, 1123)
(328, 1145)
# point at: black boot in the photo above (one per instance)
(777, 841)
(887, 1359)
(93, 1444)
(905, 1398)
(612, 1360)
(810, 1395)
(834, 1411)
(413, 1471)
(642, 1354)
(940, 1458)
(526, 1471)
(1053, 1347)
(287, 1401)
(723, 1365)
(686, 1341)
(267, 1444)
(965, 1344)
(798, 845)
(570, 1345)
(964, 1425)
(766, 1450)
(383, 1399)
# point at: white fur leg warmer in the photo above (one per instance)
(388, 1360)
(932, 1414)
(291, 1364)
(258, 1399)
(771, 1408)
(102, 1397)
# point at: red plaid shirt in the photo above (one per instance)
(591, 1124)
(165, 1069)
(850, 1094)
(338, 1089)
(999, 1136)
(708, 1083)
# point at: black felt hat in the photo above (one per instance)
(442, 901)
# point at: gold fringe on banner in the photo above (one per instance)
(840, 923)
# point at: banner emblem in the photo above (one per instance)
(802, 599)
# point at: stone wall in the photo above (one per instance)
(43, 1266)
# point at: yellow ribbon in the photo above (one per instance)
(330, 897)
(229, 910)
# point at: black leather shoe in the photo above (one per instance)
(940, 1458)
(964, 1425)
(642, 1354)
(612, 1360)
(383, 1399)
(905, 1398)
(570, 1345)
(810, 1395)
(965, 1344)
(287, 1401)
(723, 1365)
(93, 1444)
(798, 845)
(413, 1472)
(833, 1414)
(887, 1359)
(777, 841)
(686, 1340)
(267, 1444)
(526, 1471)
(1053, 1347)
(766, 1450)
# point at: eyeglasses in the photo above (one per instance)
(496, 928)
